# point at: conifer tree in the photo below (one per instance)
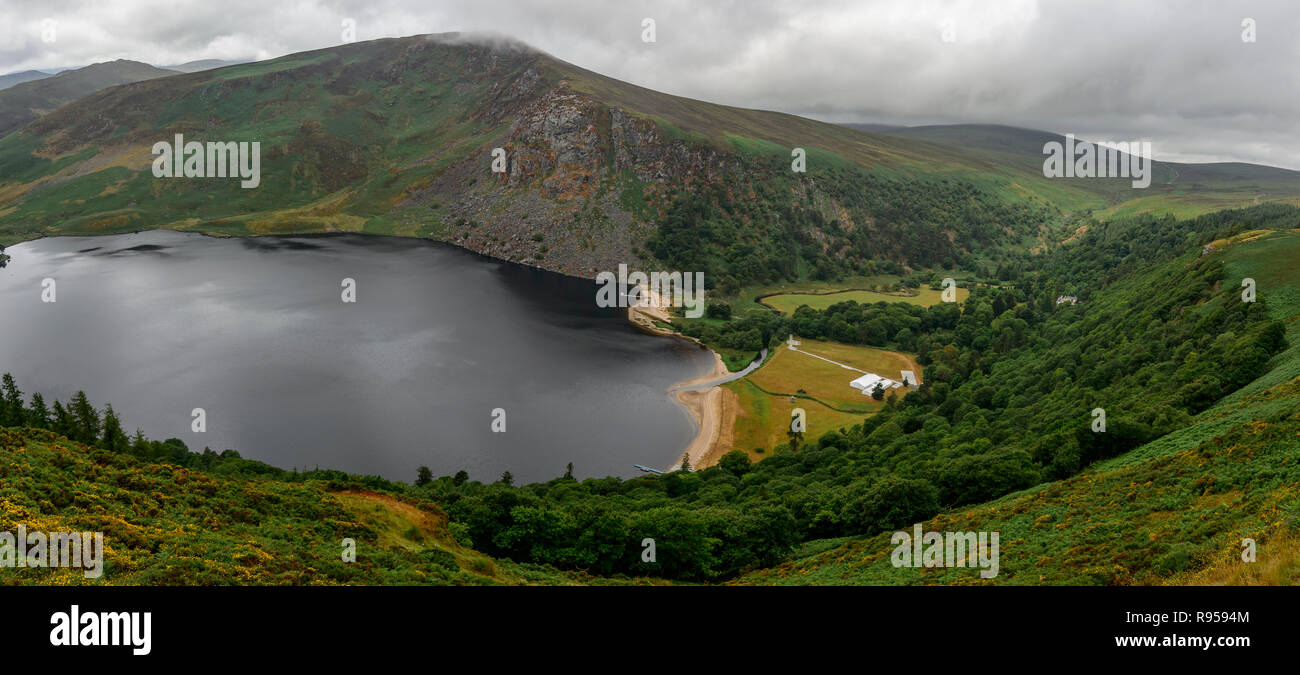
(86, 419)
(12, 413)
(114, 439)
(63, 422)
(39, 415)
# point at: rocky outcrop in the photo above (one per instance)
(570, 162)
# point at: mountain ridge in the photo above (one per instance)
(394, 136)
(10, 79)
(25, 102)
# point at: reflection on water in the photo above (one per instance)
(253, 330)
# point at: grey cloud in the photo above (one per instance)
(1175, 72)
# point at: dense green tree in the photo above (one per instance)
(113, 440)
(86, 419)
(890, 503)
(12, 413)
(735, 462)
(38, 414)
(64, 423)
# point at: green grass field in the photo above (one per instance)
(763, 419)
(788, 372)
(789, 302)
(820, 388)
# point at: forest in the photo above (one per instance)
(1010, 380)
(893, 221)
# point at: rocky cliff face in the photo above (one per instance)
(582, 186)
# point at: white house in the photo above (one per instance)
(867, 383)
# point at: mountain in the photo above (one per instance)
(1024, 147)
(876, 128)
(22, 103)
(11, 79)
(993, 137)
(203, 64)
(395, 136)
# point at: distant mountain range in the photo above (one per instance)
(23, 102)
(203, 64)
(1028, 143)
(11, 79)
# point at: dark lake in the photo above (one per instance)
(255, 332)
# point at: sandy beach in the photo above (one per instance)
(709, 407)
(714, 412)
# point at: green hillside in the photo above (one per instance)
(1201, 390)
(1174, 510)
(235, 522)
(1179, 188)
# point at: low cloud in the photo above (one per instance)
(1178, 74)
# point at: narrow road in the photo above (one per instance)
(702, 386)
(796, 349)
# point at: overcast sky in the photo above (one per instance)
(1176, 73)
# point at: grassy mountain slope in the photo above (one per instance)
(164, 524)
(1179, 188)
(1172, 511)
(23, 103)
(394, 136)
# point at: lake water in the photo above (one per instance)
(255, 332)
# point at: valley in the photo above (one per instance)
(374, 420)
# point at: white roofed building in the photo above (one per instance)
(867, 383)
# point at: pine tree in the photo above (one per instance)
(796, 437)
(686, 461)
(63, 423)
(85, 418)
(38, 415)
(140, 445)
(508, 478)
(114, 439)
(423, 476)
(12, 413)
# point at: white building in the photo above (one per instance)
(867, 383)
